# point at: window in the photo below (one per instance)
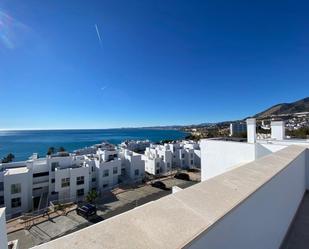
(115, 170)
(182, 155)
(1, 186)
(191, 155)
(80, 180)
(136, 172)
(54, 165)
(53, 192)
(1, 200)
(41, 174)
(168, 165)
(53, 180)
(65, 182)
(162, 157)
(15, 188)
(158, 165)
(105, 185)
(105, 173)
(93, 179)
(191, 162)
(16, 202)
(80, 192)
(157, 171)
(92, 169)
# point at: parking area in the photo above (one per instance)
(109, 206)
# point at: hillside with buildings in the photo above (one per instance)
(285, 109)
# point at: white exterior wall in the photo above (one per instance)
(25, 181)
(158, 160)
(131, 162)
(278, 130)
(219, 156)
(260, 221)
(69, 192)
(3, 235)
(150, 165)
(136, 163)
(197, 158)
(112, 179)
(251, 130)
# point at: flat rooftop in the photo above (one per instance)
(15, 171)
(176, 220)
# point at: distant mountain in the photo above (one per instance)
(286, 108)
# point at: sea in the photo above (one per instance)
(24, 143)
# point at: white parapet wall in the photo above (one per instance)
(219, 156)
(262, 220)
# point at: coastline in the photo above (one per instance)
(26, 142)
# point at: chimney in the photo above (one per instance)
(277, 130)
(251, 130)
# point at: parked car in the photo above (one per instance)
(159, 184)
(86, 210)
(182, 176)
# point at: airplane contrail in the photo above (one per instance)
(98, 33)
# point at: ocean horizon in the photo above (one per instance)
(23, 143)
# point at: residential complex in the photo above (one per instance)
(248, 198)
(162, 159)
(68, 177)
(62, 177)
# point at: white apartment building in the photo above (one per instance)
(31, 185)
(107, 168)
(133, 167)
(158, 159)
(186, 154)
(161, 159)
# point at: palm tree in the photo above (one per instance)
(51, 150)
(9, 158)
(92, 196)
(61, 149)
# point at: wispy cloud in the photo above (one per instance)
(11, 30)
(98, 33)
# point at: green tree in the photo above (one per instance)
(9, 158)
(92, 196)
(51, 150)
(61, 149)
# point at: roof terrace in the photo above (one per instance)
(251, 206)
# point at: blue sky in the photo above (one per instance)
(158, 62)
